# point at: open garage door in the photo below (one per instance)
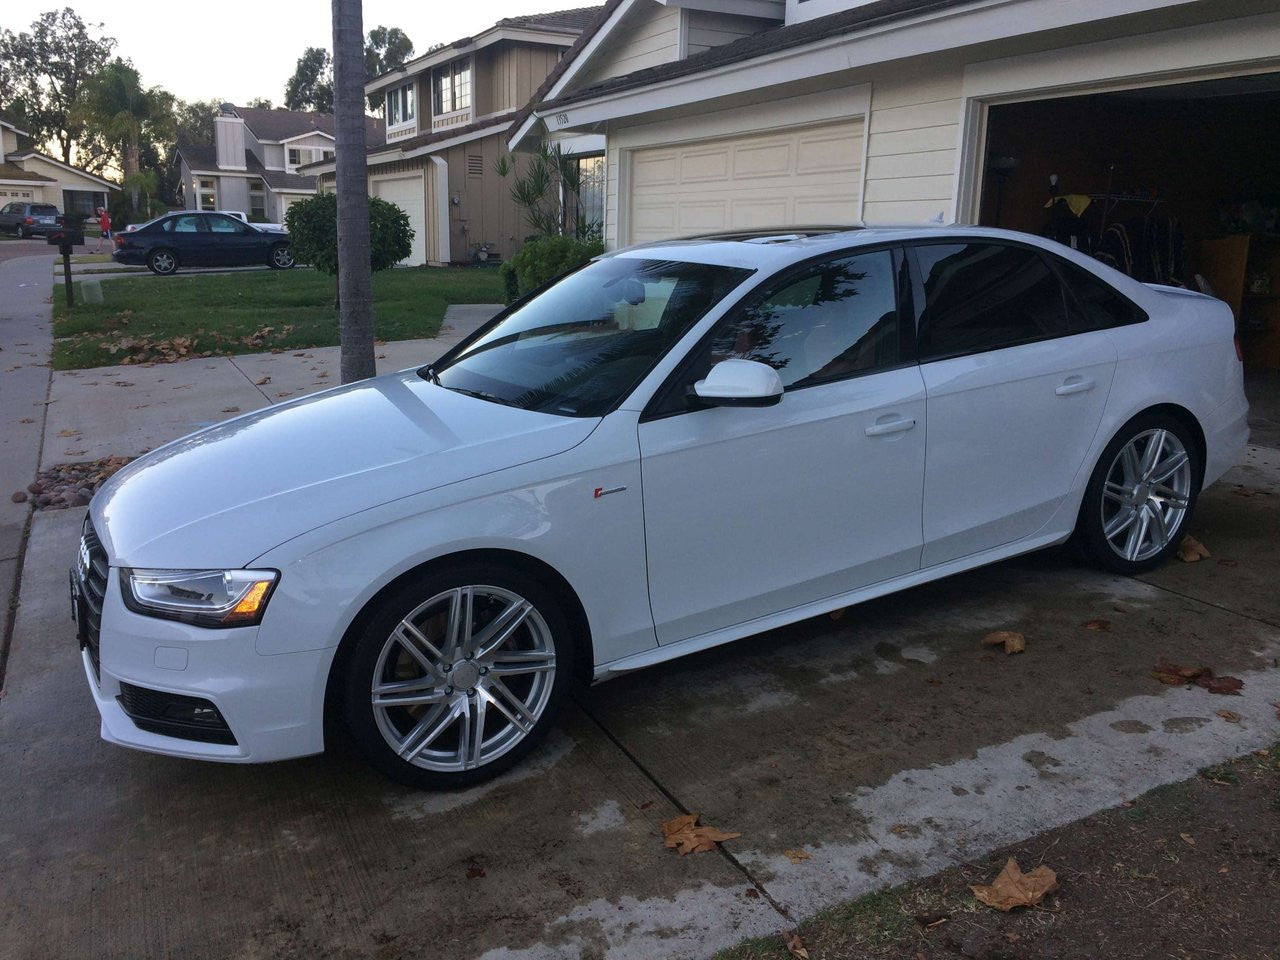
(408, 193)
(807, 176)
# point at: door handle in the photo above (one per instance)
(879, 429)
(1074, 385)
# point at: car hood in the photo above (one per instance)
(228, 494)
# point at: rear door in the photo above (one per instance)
(233, 243)
(753, 510)
(1015, 396)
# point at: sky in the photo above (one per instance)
(235, 50)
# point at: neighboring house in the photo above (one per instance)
(252, 164)
(1164, 115)
(447, 113)
(26, 174)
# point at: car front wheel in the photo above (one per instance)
(281, 257)
(458, 676)
(162, 262)
(1140, 498)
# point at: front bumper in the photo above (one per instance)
(273, 705)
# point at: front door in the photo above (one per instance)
(753, 510)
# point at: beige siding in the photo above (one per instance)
(485, 213)
(508, 73)
(706, 29)
(912, 140)
(649, 35)
(67, 180)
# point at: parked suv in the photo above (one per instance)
(29, 219)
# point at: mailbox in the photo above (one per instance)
(66, 237)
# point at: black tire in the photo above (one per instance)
(381, 657)
(1112, 503)
(162, 262)
(281, 257)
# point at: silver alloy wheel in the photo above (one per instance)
(463, 678)
(282, 258)
(1145, 494)
(163, 262)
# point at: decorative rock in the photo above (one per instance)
(20, 497)
(35, 488)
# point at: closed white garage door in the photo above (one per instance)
(796, 177)
(407, 193)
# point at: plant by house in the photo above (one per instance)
(313, 231)
(542, 259)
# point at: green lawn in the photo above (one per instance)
(156, 318)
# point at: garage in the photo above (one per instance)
(1175, 184)
(407, 193)
(806, 176)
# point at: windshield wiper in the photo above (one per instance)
(429, 372)
(481, 395)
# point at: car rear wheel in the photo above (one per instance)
(162, 262)
(1141, 496)
(281, 257)
(458, 676)
(20, 232)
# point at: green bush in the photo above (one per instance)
(542, 259)
(313, 232)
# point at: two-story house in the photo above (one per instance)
(27, 175)
(252, 164)
(1147, 131)
(446, 115)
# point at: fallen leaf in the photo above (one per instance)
(751, 893)
(931, 921)
(837, 614)
(794, 945)
(1098, 625)
(1174, 674)
(683, 834)
(1012, 641)
(322, 374)
(797, 855)
(1229, 715)
(262, 383)
(1013, 888)
(475, 873)
(1224, 562)
(1188, 839)
(230, 409)
(1228, 686)
(68, 433)
(933, 681)
(1191, 550)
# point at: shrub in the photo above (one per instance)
(313, 232)
(542, 259)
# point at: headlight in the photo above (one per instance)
(206, 598)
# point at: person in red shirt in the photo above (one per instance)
(104, 224)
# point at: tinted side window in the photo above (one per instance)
(984, 296)
(1094, 304)
(188, 224)
(225, 225)
(835, 320)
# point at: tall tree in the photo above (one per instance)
(386, 48)
(116, 107)
(311, 86)
(261, 103)
(355, 293)
(193, 120)
(43, 73)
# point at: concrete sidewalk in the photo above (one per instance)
(26, 340)
(124, 410)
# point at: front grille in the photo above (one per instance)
(92, 570)
(174, 715)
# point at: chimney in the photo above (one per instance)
(228, 138)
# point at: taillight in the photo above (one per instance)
(1239, 349)
(119, 240)
(30, 220)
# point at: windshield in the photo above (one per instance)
(582, 345)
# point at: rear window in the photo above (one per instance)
(1095, 304)
(43, 208)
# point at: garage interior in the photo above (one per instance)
(1176, 184)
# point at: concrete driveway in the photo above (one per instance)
(884, 744)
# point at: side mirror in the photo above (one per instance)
(739, 383)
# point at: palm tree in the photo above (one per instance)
(124, 114)
(355, 291)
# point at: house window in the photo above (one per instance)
(295, 156)
(451, 85)
(257, 200)
(328, 154)
(400, 105)
(590, 197)
(208, 195)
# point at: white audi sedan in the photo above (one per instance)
(672, 447)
